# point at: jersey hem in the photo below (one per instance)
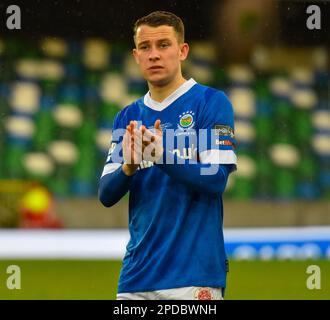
(195, 284)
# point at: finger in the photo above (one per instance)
(137, 136)
(126, 149)
(148, 135)
(137, 150)
(149, 151)
(157, 124)
(134, 124)
(158, 127)
(123, 143)
(146, 143)
(148, 138)
(129, 128)
(137, 133)
(143, 129)
(126, 140)
(129, 141)
(138, 143)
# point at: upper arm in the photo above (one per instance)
(216, 130)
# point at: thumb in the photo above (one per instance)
(158, 127)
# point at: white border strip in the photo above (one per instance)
(67, 244)
(280, 234)
(111, 244)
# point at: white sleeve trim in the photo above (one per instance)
(218, 157)
(109, 168)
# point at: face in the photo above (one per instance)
(159, 54)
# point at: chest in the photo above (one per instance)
(180, 117)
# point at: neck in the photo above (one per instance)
(161, 92)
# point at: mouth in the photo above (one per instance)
(155, 68)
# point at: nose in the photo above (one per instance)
(154, 54)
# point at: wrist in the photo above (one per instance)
(129, 169)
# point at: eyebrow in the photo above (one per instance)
(147, 41)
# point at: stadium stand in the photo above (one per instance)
(58, 99)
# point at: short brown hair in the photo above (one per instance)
(160, 18)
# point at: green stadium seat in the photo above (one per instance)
(38, 166)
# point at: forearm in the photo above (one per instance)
(202, 177)
(113, 186)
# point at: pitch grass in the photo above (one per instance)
(97, 279)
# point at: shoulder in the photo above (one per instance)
(209, 94)
(214, 100)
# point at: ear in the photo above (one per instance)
(135, 54)
(184, 50)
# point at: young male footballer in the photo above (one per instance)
(173, 150)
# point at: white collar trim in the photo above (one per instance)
(159, 106)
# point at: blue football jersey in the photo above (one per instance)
(176, 228)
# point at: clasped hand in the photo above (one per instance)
(142, 144)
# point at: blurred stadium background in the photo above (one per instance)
(69, 70)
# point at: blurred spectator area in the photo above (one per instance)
(239, 25)
(58, 100)
(88, 213)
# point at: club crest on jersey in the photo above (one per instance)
(186, 120)
(203, 294)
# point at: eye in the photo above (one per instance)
(164, 44)
(143, 47)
